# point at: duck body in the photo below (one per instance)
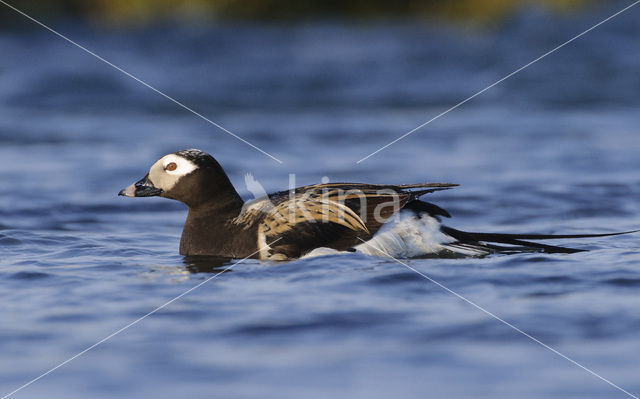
(383, 220)
(288, 224)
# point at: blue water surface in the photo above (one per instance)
(554, 149)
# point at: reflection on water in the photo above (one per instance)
(208, 264)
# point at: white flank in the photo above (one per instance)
(406, 236)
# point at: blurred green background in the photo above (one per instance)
(137, 12)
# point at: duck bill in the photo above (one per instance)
(141, 188)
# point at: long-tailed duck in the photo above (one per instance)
(385, 220)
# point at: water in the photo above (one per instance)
(553, 149)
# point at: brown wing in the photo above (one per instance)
(334, 215)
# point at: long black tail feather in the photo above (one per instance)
(518, 240)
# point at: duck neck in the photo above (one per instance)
(220, 208)
(208, 229)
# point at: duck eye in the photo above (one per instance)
(171, 167)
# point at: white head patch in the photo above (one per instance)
(166, 172)
(183, 166)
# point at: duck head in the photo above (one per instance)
(190, 176)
